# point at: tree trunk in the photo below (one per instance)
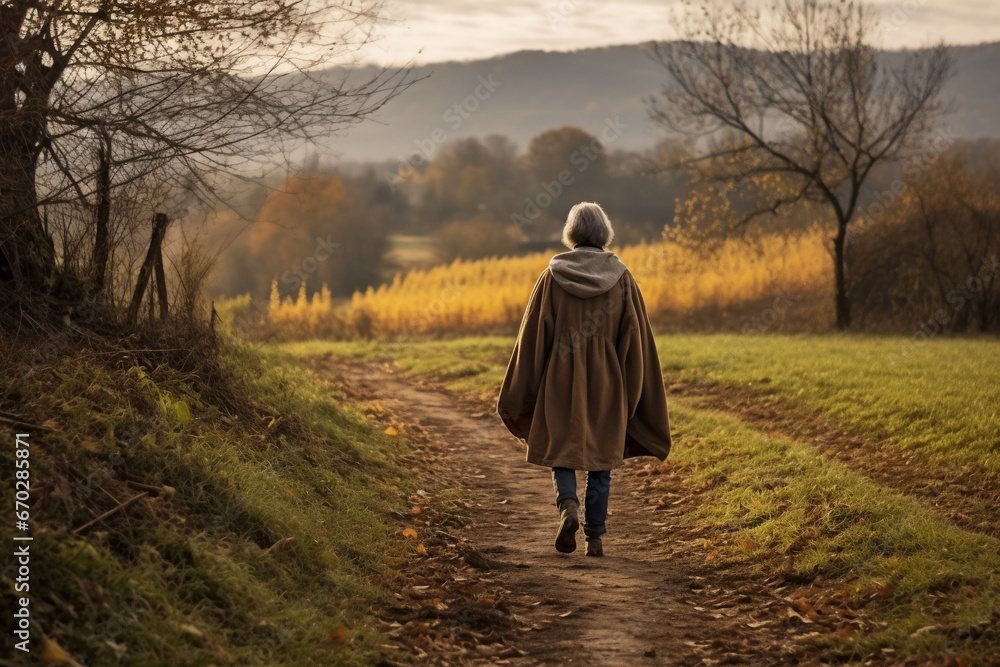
(27, 254)
(102, 217)
(840, 279)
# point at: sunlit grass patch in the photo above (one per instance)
(941, 397)
(785, 507)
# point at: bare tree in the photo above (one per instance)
(794, 105)
(96, 95)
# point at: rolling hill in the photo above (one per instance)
(529, 92)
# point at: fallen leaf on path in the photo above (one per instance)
(54, 653)
(391, 431)
(880, 591)
(422, 550)
(410, 533)
(416, 509)
(337, 636)
(846, 631)
(806, 610)
(796, 615)
(953, 661)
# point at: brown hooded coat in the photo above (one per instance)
(584, 386)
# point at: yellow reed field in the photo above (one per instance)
(717, 289)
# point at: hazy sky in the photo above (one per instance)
(438, 30)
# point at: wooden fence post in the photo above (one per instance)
(160, 223)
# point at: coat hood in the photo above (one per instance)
(586, 272)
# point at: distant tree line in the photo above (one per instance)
(927, 237)
(475, 197)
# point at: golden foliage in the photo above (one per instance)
(302, 198)
(489, 295)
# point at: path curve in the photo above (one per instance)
(650, 601)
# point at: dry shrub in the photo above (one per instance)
(930, 261)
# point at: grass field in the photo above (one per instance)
(262, 547)
(189, 576)
(786, 506)
(941, 396)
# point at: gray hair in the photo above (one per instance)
(587, 223)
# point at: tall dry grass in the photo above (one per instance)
(731, 286)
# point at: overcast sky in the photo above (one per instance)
(437, 30)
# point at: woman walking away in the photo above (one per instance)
(583, 386)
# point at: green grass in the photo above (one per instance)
(941, 397)
(821, 518)
(184, 579)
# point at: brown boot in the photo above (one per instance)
(594, 547)
(569, 523)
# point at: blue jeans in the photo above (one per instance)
(595, 509)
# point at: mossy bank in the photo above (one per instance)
(260, 528)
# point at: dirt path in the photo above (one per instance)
(656, 598)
